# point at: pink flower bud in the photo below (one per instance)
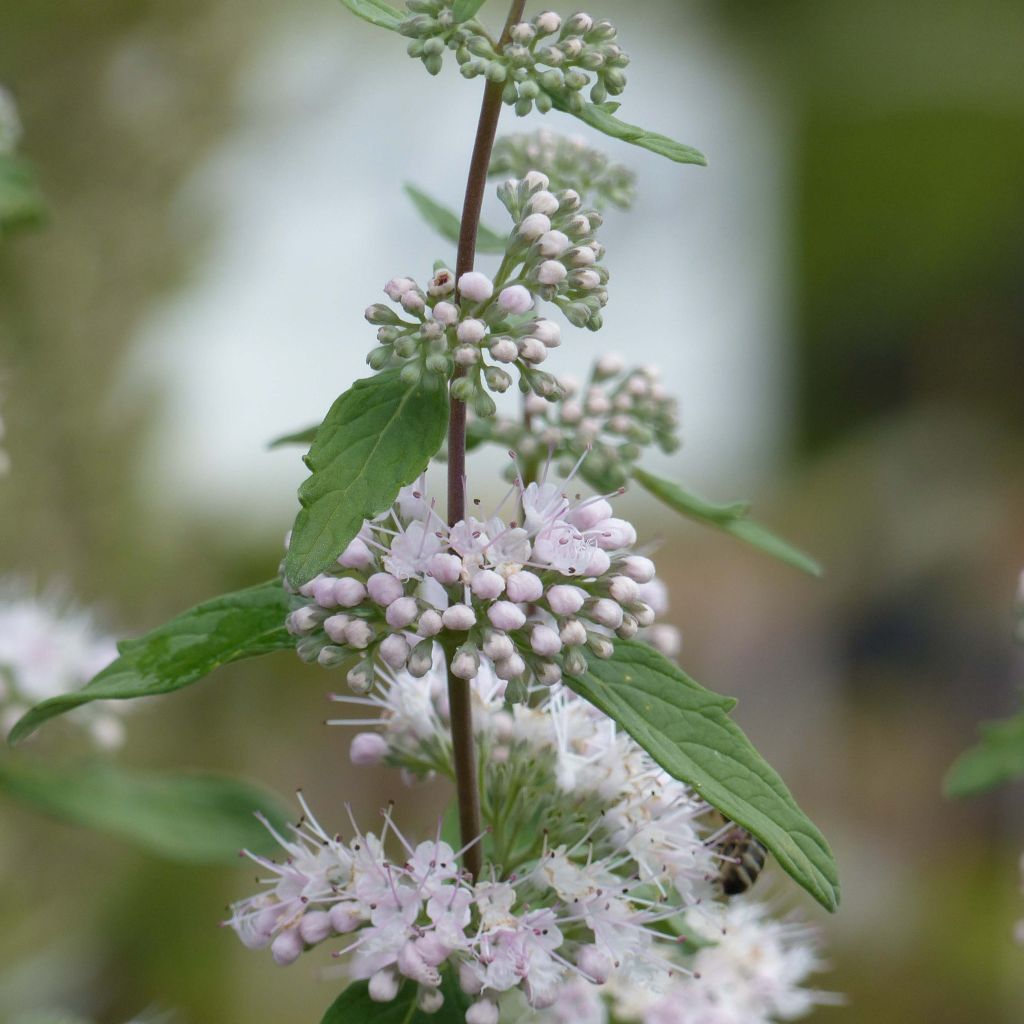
(394, 650)
(475, 286)
(553, 243)
(598, 564)
(548, 22)
(368, 749)
(643, 613)
(548, 333)
(466, 355)
(430, 623)
(565, 600)
(446, 313)
(532, 351)
(504, 350)
(469, 981)
(498, 646)
(323, 592)
(412, 302)
(401, 612)
(335, 626)
(515, 299)
(545, 641)
(584, 256)
(534, 226)
(469, 332)
(356, 556)
(397, 287)
(573, 633)
(595, 964)
(606, 612)
(614, 533)
(572, 412)
(385, 588)
(459, 617)
(442, 283)
(465, 663)
(548, 673)
(524, 587)
(535, 180)
(610, 364)
(383, 986)
(638, 568)
(287, 947)
(551, 272)
(349, 592)
(487, 585)
(587, 279)
(510, 668)
(429, 1000)
(303, 620)
(482, 1012)
(666, 639)
(445, 567)
(543, 202)
(358, 634)
(505, 615)
(345, 917)
(315, 926)
(623, 589)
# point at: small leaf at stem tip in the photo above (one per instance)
(376, 12)
(379, 436)
(192, 817)
(687, 730)
(463, 10)
(731, 518)
(305, 437)
(997, 758)
(244, 624)
(601, 118)
(447, 223)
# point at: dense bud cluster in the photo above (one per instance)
(546, 62)
(568, 163)
(615, 417)
(47, 648)
(577, 921)
(486, 326)
(533, 596)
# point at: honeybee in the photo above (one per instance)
(743, 859)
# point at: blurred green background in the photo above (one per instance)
(864, 211)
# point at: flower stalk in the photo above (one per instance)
(464, 757)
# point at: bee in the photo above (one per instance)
(743, 860)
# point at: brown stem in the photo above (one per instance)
(463, 754)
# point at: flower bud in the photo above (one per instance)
(573, 633)
(445, 567)
(349, 592)
(421, 661)
(551, 272)
(356, 556)
(497, 645)
(637, 568)
(532, 351)
(545, 641)
(623, 589)
(345, 918)
(510, 668)
(335, 627)
(442, 283)
(615, 533)
(506, 615)
(574, 663)
(643, 613)
(547, 23)
(459, 617)
(303, 620)
(430, 623)
(383, 987)
(629, 628)
(504, 350)
(515, 299)
(497, 379)
(666, 639)
(548, 333)
(487, 585)
(475, 287)
(368, 749)
(606, 612)
(359, 634)
(482, 1012)
(323, 592)
(384, 588)
(315, 926)
(466, 662)
(599, 563)
(412, 302)
(543, 202)
(609, 365)
(595, 964)
(331, 657)
(535, 181)
(564, 599)
(534, 225)
(553, 243)
(401, 612)
(398, 286)
(466, 355)
(287, 947)
(380, 314)
(524, 587)
(548, 673)
(394, 650)
(446, 313)
(429, 1000)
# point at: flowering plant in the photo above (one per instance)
(609, 815)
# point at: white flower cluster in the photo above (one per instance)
(599, 892)
(547, 62)
(480, 325)
(47, 648)
(618, 414)
(569, 162)
(531, 596)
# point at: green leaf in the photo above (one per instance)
(198, 818)
(244, 624)
(376, 12)
(354, 1006)
(998, 758)
(687, 730)
(463, 10)
(303, 437)
(21, 204)
(378, 436)
(603, 119)
(730, 518)
(447, 223)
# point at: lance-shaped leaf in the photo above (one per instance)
(244, 624)
(600, 116)
(199, 818)
(21, 204)
(354, 1006)
(376, 12)
(687, 730)
(303, 437)
(997, 758)
(463, 10)
(378, 436)
(730, 518)
(446, 223)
